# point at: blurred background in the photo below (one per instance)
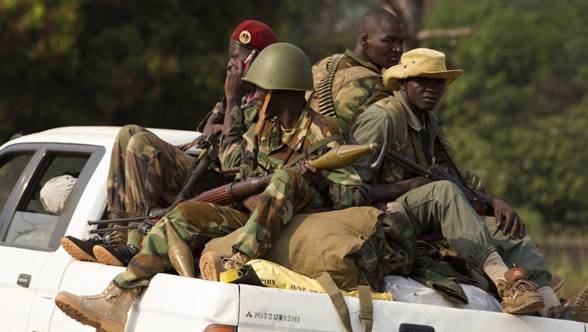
(518, 116)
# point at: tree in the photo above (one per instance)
(516, 115)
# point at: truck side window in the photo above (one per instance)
(10, 170)
(46, 199)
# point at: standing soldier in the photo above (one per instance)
(146, 171)
(347, 83)
(405, 123)
(287, 132)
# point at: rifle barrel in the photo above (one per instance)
(108, 230)
(117, 221)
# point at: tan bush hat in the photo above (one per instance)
(420, 62)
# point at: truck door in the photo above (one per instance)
(31, 226)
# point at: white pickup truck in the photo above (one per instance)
(34, 268)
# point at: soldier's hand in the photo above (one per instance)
(417, 182)
(309, 172)
(233, 80)
(214, 129)
(507, 220)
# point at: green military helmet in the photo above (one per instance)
(281, 66)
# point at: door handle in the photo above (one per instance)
(24, 280)
(404, 327)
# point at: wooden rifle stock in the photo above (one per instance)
(234, 192)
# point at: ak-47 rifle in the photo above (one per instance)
(339, 157)
(479, 201)
(208, 154)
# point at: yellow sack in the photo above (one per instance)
(276, 276)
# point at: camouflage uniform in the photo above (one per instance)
(440, 206)
(145, 172)
(141, 161)
(288, 193)
(356, 85)
(231, 141)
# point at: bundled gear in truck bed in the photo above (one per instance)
(357, 246)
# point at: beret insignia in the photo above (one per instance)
(244, 37)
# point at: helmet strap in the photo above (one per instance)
(262, 114)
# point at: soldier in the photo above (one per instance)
(287, 132)
(405, 123)
(347, 83)
(146, 171)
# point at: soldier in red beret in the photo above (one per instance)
(147, 172)
(248, 38)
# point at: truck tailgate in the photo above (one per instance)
(266, 309)
(173, 303)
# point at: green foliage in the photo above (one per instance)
(517, 116)
(519, 113)
(158, 63)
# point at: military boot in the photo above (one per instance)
(519, 295)
(116, 255)
(106, 312)
(211, 264)
(81, 249)
(576, 309)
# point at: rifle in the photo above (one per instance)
(208, 154)
(339, 157)
(342, 156)
(479, 201)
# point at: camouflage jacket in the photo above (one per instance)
(355, 84)
(273, 148)
(231, 141)
(392, 120)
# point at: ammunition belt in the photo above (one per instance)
(325, 89)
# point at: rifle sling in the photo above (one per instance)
(452, 165)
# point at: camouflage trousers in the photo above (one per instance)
(146, 172)
(288, 193)
(440, 207)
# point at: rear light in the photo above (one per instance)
(220, 328)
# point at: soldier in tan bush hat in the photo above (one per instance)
(405, 123)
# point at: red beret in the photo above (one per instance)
(252, 33)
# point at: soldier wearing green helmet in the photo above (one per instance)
(286, 133)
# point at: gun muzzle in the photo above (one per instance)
(342, 156)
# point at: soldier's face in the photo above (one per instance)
(276, 103)
(385, 44)
(424, 93)
(237, 55)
